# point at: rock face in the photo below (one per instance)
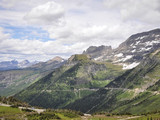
(137, 46)
(130, 52)
(98, 52)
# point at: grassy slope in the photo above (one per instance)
(10, 113)
(66, 84)
(21, 80)
(13, 81)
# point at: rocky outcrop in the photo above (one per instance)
(97, 53)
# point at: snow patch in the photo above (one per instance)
(137, 42)
(157, 35)
(127, 57)
(133, 51)
(98, 58)
(137, 38)
(134, 47)
(143, 37)
(119, 55)
(124, 59)
(132, 44)
(130, 66)
(149, 43)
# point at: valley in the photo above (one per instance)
(78, 78)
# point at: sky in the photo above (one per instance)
(42, 29)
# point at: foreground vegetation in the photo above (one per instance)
(13, 102)
(10, 113)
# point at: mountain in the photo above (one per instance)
(98, 52)
(14, 64)
(79, 77)
(13, 81)
(129, 53)
(6, 65)
(48, 65)
(135, 92)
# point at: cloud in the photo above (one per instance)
(35, 49)
(3, 36)
(141, 10)
(49, 13)
(66, 27)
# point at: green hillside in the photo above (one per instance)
(136, 91)
(13, 81)
(74, 80)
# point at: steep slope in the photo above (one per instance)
(77, 78)
(13, 81)
(131, 52)
(136, 91)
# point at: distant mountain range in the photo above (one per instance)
(13, 81)
(14, 64)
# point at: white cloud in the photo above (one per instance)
(3, 36)
(49, 13)
(141, 10)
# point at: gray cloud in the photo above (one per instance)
(141, 10)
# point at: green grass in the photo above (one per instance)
(10, 113)
(125, 95)
(148, 117)
(80, 57)
(99, 83)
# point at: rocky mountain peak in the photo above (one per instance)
(130, 52)
(137, 46)
(96, 52)
(93, 49)
(24, 62)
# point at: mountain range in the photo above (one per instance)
(121, 80)
(130, 52)
(134, 92)
(76, 79)
(13, 81)
(14, 64)
(95, 81)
